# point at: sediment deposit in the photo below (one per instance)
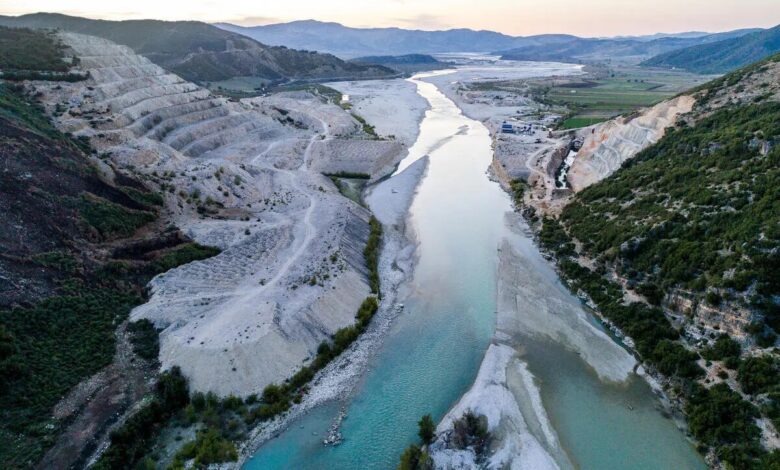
(244, 176)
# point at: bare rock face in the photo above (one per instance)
(243, 176)
(608, 145)
(361, 156)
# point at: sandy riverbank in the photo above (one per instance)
(505, 391)
(389, 201)
(245, 176)
(533, 304)
(525, 308)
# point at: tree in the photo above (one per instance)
(427, 431)
(758, 374)
(471, 430)
(723, 348)
(414, 458)
(173, 389)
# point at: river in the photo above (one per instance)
(433, 351)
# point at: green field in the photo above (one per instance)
(580, 121)
(608, 92)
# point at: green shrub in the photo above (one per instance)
(723, 348)
(57, 343)
(415, 458)
(517, 190)
(131, 442)
(147, 198)
(111, 219)
(371, 254)
(720, 418)
(59, 260)
(471, 430)
(145, 339)
(184, 254)
(554, 238)
(427, 429)
(758, 374)
(209, 447)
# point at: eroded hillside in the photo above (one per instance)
(77, 249)
(236, 175)
(295, 259)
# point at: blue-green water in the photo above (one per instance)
(432, 353)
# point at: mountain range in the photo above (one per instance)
(353, 42)
(624, 49)
(201, 52)
(721, 56)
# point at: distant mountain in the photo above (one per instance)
(398, 59)
(356, 42)
(691, 35)
(201, 52)
(407, 63)
(626, 49)
(721, 56)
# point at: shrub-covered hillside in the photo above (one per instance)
(698, 211)
(24, 49)
(680, 249)
(75, 254)
(721, 56)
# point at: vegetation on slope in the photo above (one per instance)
(224, 422)
(131, 441)
(25, 49)
(697, 214)
(371, 253)
(64, 293)
(697, 211)
(27, 54)
(721, 56)
(201, 52)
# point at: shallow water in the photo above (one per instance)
(433, 351)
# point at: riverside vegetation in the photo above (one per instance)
(694, 215)
(221, 423)
(470, 431)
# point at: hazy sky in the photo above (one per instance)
(516, 17)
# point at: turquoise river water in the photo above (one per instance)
(433, 351)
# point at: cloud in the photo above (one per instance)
(424, 21)
(254, 20)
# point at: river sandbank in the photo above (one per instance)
(389, 201)
(532, 305)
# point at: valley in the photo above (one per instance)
(539, 254)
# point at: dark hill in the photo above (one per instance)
(408, 63)
(721, 56)
(201, 52)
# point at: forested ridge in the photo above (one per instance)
(680, 250)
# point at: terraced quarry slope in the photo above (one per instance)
(238, 176)
(608, 145)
